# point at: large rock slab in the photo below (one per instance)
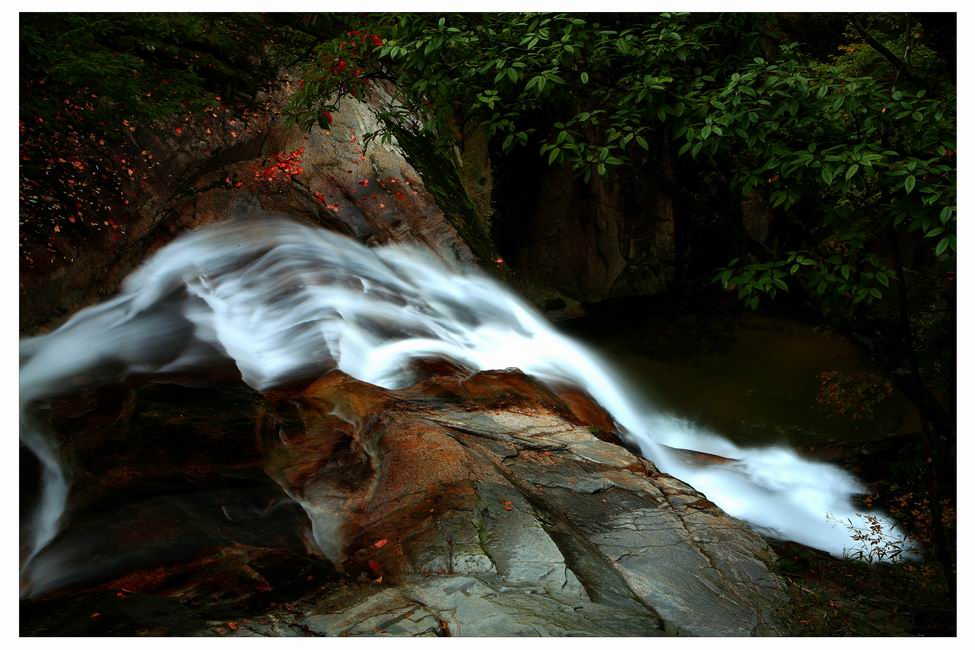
(522, 498)
(466, 504)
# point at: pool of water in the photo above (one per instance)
(751, 378)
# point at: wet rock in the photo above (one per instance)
(514, 493)
(466, 504)
(372, 194)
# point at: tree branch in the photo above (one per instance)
(899, 64)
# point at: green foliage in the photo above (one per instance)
(845, 146)
(588, 91)
(145, 66)
(862, 154)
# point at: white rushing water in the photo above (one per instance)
(287, 301)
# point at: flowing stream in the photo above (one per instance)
(287, 301)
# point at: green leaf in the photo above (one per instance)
(640, 140)
(942, 246)
(909, 183)
(852, 171)
(584, 77)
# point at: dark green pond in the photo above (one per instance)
(752, 378)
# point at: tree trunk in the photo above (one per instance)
(938, 535)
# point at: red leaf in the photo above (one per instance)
(381, 543)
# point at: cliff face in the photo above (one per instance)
(607, 238)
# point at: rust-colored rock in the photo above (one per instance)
(466, 504)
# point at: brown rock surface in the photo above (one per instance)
(466, 504)
(370, 193)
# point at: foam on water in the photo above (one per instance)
(286, 301)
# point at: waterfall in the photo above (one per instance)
(286, 302)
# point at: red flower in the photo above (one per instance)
(328, 116)
(375, 39)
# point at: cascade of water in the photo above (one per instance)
(285, 301)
